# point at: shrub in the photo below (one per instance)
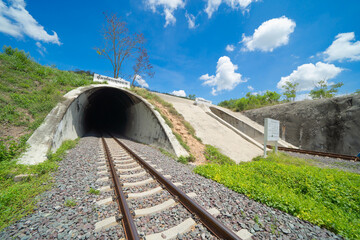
(325, 197)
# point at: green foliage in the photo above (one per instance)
(215, 156)
(61, 152)
(70, 203)
(29, 91)
(181, 141)
(357, 91)
(94, 191)
(192, 96)
(186, 160)
(166, 153)
(251, 101)
(18, 199)
(183, 160)
(290, 90)
(10, 148)
(322, 91)
(326, 197)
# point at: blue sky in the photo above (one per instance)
(216, 49)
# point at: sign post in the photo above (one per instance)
(116, 81)
(271, 133)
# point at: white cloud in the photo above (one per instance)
(191, 20)
(343, 48)
(303, 96)
(308, 75)
(180, 93)
(41, 48)
(270, 35)
(169, 7)
(230, 48)
(225, 79)
(250, 88)
(16, 21)
(213, 5)
(141, 81)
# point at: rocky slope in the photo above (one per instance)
(330, 125)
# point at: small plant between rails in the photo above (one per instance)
(132, 166)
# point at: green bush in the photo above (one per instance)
(17, 199)
(10, 148)
(251, 101)
(214, 156)
(326, 197)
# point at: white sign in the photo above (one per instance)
(201, 100)
(271, 132)
(117, 81)
(272, 129)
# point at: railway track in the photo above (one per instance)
(134, 177)
(323, 154)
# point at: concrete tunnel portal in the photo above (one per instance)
(95, 108)
(107, 110)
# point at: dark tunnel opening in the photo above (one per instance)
(106, 111)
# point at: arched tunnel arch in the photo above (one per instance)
(101, 107)
(107, 110)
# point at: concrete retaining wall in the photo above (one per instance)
(249, 129)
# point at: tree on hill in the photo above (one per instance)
(191, 96)
(119, 44)
(322, 90)
(290, 90)
(142, 65)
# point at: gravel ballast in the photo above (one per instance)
(236, 210)
(78, 172)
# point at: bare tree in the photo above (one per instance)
(119, 44)
(142, 65)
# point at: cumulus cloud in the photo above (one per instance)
(169, 6)
(250, 88)
(191, 20)
(16, 21)
(343, 48)
(308, 75)
(141, 81)
(225, 79)
(180, 93)
(213, 5)
(269, 35)
(230, 48)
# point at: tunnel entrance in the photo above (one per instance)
(106, 111)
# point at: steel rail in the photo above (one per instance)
(127, 219)
(323, 154)
(212, 224)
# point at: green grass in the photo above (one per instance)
(214, 156)
(94, 191)
(166, 153)
(326, 197)
(70, 203)
(186, 160)
(182, 142)
(28, 92)
(17, 199)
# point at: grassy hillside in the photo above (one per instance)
(28, 91)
